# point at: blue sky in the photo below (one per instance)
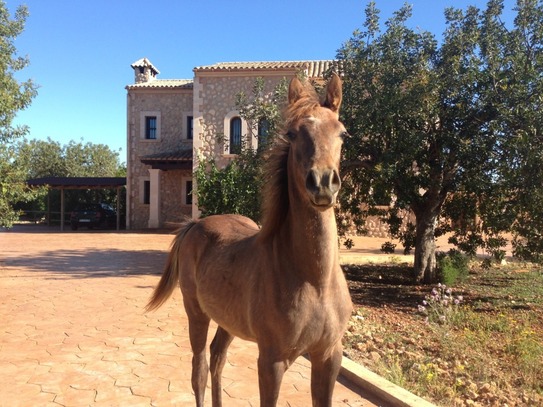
(80, 51)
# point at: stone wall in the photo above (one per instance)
(377, 228)
(172, 106)
(214, 101)
(172, 209)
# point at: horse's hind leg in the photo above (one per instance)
(198, 327)
(219, 346)
(324, 372)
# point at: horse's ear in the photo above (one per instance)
(295, 90)
(333, 94)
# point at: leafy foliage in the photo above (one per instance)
(76, 159)
(49, 158)
(14, 96)
(236, 187)
(446, 130)
(453, 267)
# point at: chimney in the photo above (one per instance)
(144, 71)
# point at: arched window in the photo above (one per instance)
(235, 135)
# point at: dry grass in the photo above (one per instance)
(486, 351)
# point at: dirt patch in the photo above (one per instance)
(487, 351)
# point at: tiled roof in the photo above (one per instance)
(313, 69)
(163, 83)
(179, 155)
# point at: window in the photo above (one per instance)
(263, 131)
(188, 193)
(235, 135)
(234, 131)
(189, 128)
(150, 127)
(146, 192)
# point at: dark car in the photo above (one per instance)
(98, 215)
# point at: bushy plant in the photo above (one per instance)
(388, 247)
(452, 267)
(232, 189)
(348, 243)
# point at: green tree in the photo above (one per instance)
(425, 121)
(14, 96)
(92, 160)
(236, 187)
(48, 158)
(517, 66)
(41, 158)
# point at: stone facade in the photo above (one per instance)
(159, 169)
(171, 103)
(375, 226)
(159, 174)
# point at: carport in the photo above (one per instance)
(63, 183)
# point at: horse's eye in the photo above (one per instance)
(291, 135)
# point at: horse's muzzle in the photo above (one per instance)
(323, 186)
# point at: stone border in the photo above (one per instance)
(380, 387)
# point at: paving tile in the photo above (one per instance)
(75, 397)
(74, 331)
(51, 382)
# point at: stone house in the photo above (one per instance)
(171, 122)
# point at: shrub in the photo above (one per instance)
(348, 243)
(388, 247)
(452, 267)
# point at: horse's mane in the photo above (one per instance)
(275, 199)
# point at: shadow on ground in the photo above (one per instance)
(384, 285)
(65, 264)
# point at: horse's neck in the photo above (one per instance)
(310, 236)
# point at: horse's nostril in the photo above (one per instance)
(336, 182)
(313, 180)
(323, 185)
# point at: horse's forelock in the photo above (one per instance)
(302, 107)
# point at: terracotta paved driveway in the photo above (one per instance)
(73, 331)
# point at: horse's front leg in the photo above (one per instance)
(324, 371)
(270, 375)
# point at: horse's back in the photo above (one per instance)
(226, 228)
(218, 267)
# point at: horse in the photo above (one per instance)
(280, 285)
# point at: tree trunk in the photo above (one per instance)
(425, 247)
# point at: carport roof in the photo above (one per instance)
(78, 182)
(169, 160)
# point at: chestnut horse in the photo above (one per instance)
(280, 286)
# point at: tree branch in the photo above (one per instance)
(349, 165)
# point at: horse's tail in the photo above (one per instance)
(170, 277)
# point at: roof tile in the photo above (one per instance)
(164, 83)
(179, 155)
(313, 69)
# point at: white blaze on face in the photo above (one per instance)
(314, 120)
